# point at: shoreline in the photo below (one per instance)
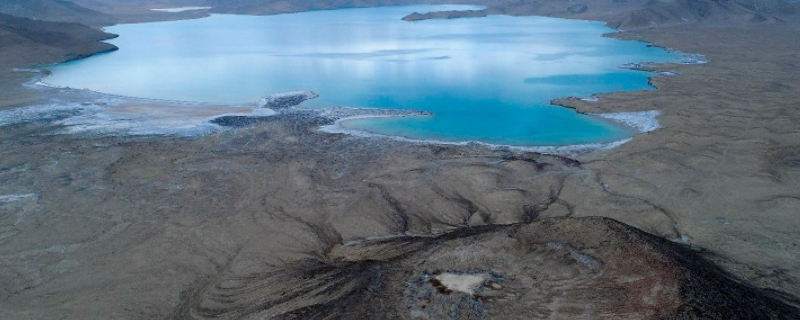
(620, 118)
(642, 122)
(38, 81)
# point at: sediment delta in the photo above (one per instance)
(277, 219)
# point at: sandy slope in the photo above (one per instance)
(55, 10)
(28, 42)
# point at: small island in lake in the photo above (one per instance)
(450, 14)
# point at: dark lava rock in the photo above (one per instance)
(241, 121)
(286, 100)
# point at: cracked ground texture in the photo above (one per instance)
(280, 220)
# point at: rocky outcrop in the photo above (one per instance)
(593, 265)
(321, 115)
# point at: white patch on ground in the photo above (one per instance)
(693, 58)
(466, 283)
(5, 199)
(181, 9)
(46, 85)
(120, 116)
(644, 121)
(18, 205)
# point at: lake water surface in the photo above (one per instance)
(484, 79)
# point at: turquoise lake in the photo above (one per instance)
(484, 79)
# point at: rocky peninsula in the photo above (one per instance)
(286, 100)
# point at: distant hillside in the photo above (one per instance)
(652, 13)
(128, 5)
(624, 14)
(27, 42)
(633, 14)
(284, 6)
(255, 7)
(55, 10)
(135, 11)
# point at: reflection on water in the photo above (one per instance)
(487, 79)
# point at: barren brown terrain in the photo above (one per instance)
(276, 219)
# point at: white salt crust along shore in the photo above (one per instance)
(643, 122)
(686, 58)
(102, 117)
(114, 117)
